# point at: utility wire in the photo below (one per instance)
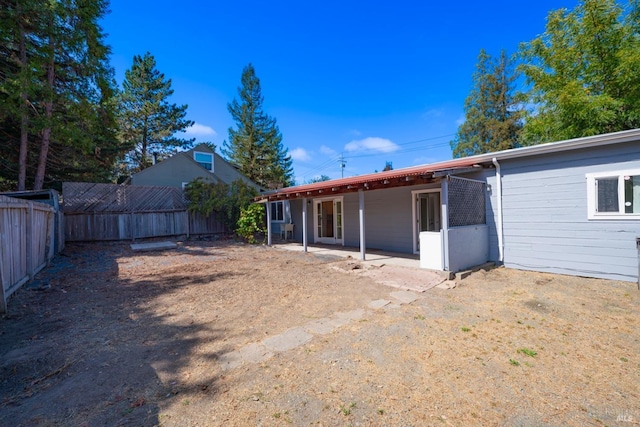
(341, 158)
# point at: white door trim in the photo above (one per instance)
(328, 240)
(414, 213)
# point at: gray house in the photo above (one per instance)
(570, 207)
(182, 168)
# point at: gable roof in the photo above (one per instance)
(431, 172)
(222, 170)
(188, 154)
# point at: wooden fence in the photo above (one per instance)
(100, 212)
(27, 236)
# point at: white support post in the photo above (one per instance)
(304, 223)
(361, 216)
(445, 223)
(638, 247)
(268, 207)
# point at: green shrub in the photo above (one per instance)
(252, 222)
(226, 200)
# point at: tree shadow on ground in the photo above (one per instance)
(92, 348)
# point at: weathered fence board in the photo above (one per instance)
(27, 235)
(101, 212)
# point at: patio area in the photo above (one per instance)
(373, 257)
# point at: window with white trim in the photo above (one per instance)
(277, 211)
(204, 159)
(614, 195)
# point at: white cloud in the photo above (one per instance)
(328, 151)
(355, 132)
(460, 120)
(433, 113)
(300, 154)
(381, 145)
(200, 130)
(424, 160)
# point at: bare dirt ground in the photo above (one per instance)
(109, 337)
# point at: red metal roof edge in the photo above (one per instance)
(377, 176)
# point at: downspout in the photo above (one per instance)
(499, 230)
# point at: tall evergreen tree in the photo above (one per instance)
(148, 122)
(18, 81)
(55, 90)
(493, 115)
(256, 145)
(584, 72)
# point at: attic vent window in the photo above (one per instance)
(204, 159)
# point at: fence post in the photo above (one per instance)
(187, 219)
(132, 228)
(29, 236)
(3, 296)
(52, 235)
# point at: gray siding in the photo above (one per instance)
(545, 215)
(172, 172)
(296, 218)
(227, 173)
(181, 167)
(488, 175)
(388, 219)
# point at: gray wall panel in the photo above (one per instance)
(545, 215)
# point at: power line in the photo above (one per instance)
(341, 158)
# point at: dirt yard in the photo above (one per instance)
(228, 334)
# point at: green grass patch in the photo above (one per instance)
(527, 352)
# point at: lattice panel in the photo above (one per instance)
(467, 205)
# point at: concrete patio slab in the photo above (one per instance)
(286, 341)
(254, 353)
(230, 360)
(378, 303)
(153, 246)
(373, 257)
(320, 326)
(351, 315)
(404, 297)
(336, 322)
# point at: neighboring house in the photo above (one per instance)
(570, 207)
(182, 168)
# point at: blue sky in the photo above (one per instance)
(374, 82)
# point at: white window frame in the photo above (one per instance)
(284, 214)
(592, 211)
(195, 153)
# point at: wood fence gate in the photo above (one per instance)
(27, 235)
